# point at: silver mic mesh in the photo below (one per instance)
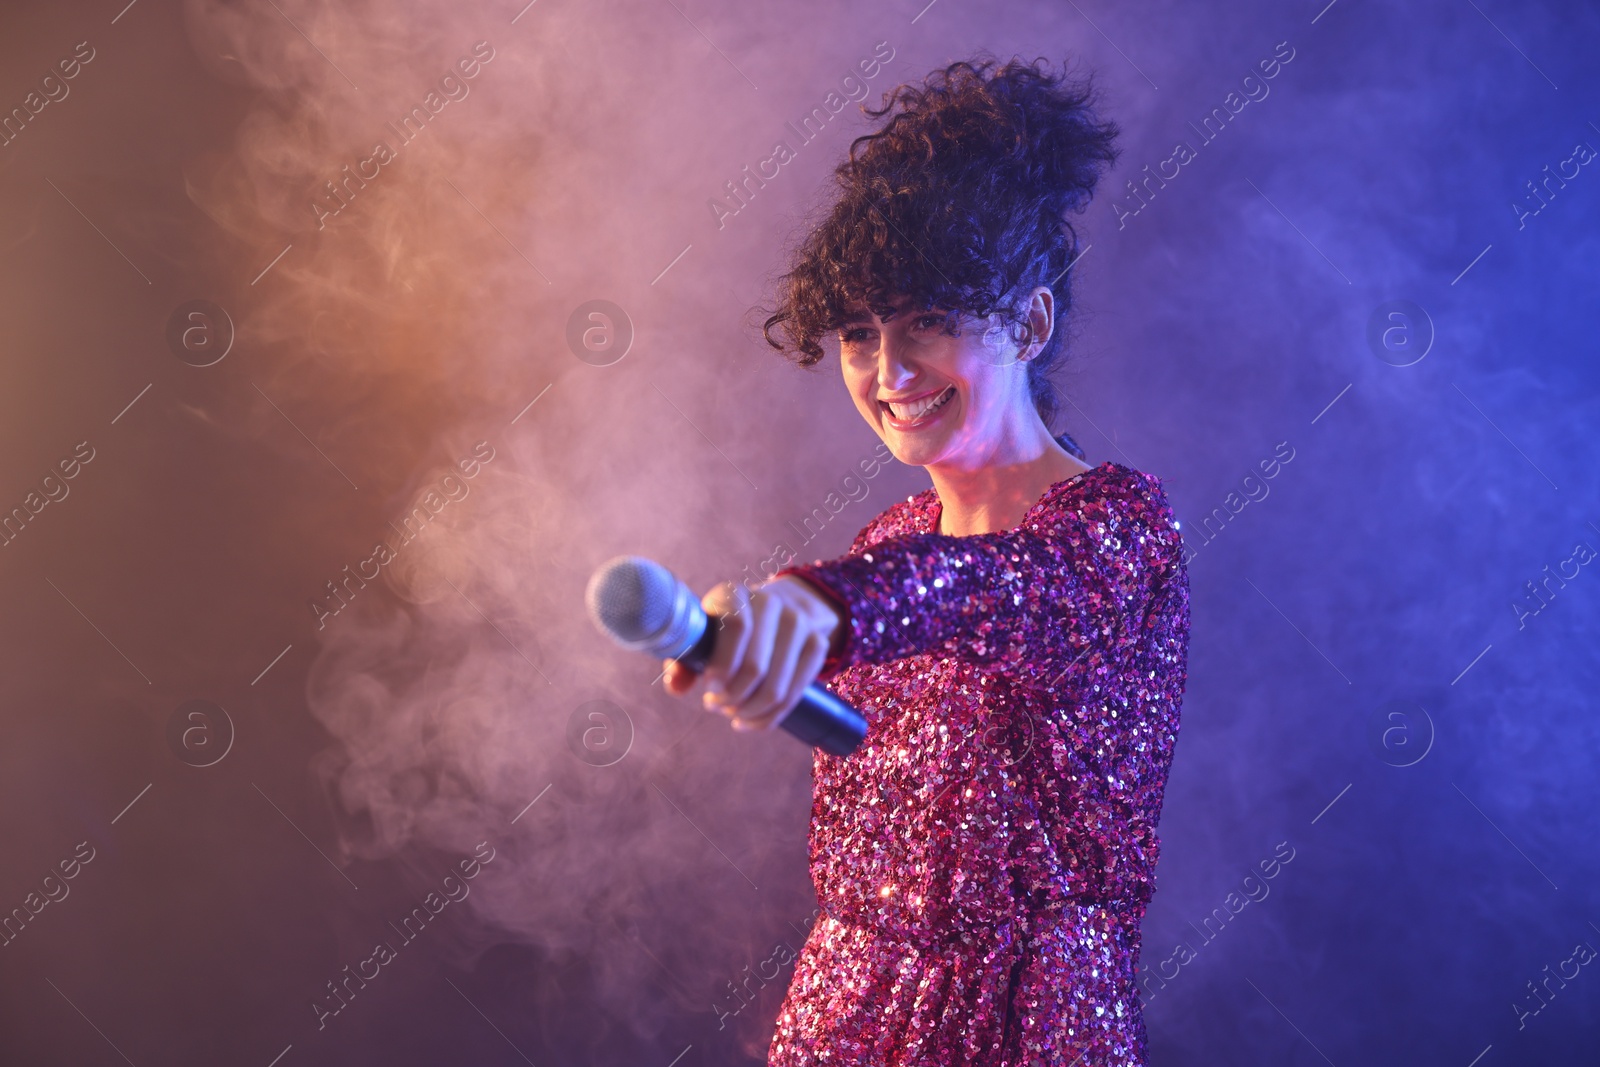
(641, 605)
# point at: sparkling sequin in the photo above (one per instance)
(985, 857)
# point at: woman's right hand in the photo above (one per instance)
(772, 643)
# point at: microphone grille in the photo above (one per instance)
(631, 598)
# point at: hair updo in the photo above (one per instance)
(959, 201)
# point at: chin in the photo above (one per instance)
(917, 453)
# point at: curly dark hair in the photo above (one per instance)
(958, 202)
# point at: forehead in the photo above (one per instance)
(860, 313)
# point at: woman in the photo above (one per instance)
(1016, 635)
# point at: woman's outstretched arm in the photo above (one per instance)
(1073, 574)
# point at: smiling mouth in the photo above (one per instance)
(917, 410)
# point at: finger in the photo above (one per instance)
(726, 598)
(757, 652)
(813, 654)
(767, 697)
(729, 602)
(717, 704)
(812, 657)
(677, 678)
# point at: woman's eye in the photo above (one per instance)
(930, 322)
(854, 336)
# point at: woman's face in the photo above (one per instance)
(933, 396)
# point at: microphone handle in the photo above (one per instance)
(820, 719)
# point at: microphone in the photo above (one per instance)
(643, 607)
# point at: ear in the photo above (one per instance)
(1042, 318)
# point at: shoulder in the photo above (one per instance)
(902, 517)
(1123, 514)
(1114, 490)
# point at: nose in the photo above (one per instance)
(894, 369)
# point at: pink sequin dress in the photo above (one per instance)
(984, 859)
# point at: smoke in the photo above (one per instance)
(442, 194)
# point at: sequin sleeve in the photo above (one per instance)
(1065, 578)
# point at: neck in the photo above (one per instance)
(992, 492)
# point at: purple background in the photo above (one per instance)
(1442, 859)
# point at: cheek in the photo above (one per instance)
(988, 395)
(860, 388)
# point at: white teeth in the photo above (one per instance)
(916, 410)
